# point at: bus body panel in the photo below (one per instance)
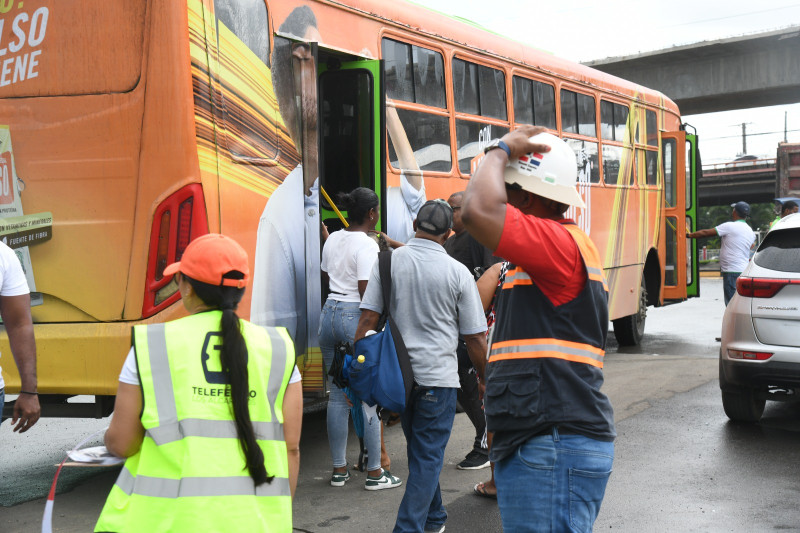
(118, 156)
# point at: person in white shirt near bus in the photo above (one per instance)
(737, 239)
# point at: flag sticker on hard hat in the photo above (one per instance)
(530, 162)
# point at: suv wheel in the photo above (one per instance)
(741, 403)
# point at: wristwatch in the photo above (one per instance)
(497, 143)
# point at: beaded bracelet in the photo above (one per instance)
(26, 392)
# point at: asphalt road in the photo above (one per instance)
(680, 465)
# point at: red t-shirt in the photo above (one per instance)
(546, 251)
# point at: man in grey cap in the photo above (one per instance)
(736, 241)
(434, 299)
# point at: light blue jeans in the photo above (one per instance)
(338, 323)
(553, 483)
(729, 285)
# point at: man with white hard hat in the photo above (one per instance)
(553, 429)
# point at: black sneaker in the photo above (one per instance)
(474, 461)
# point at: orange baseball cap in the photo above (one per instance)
(209, 258)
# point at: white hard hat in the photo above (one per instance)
(550, 174)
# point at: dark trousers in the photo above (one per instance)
(469, 398)
(427, 423)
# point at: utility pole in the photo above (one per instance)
(785, 125)
(744, 138)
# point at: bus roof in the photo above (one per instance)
(462, 32)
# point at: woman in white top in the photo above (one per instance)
(347, 258)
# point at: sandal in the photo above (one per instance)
(480, 490)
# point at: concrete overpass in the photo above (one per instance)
(730, 182)
(736, 73)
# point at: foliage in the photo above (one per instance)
(710, 217)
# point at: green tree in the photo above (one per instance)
(712, 216)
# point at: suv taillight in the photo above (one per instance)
(761, 288)
(753, 356)
(176, 221)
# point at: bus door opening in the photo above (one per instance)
(351, 135)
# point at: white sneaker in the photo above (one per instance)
(385, 481)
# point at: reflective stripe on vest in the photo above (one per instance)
(518, 282)
(191, 453)
(553, 348)
(591, 258)
(199, 486)
(170, 429)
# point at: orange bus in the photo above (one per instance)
(129, 128)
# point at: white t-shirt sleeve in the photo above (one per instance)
(724, 229)
(130, 373)
(413, 198)
(14, 282)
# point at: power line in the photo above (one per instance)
(731, 16)
(749, 135)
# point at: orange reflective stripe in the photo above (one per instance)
(591, 257)
(551, 355)
(548, 342)
(516, 278)
(553, 348)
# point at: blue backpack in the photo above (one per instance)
(384, 377)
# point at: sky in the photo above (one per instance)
(584, 30)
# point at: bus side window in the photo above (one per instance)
(416, 75)
(250, 115)
(479, 90)
(587, 159)
(578, 113)
(534, 103)
(613, 121)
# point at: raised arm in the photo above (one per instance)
(405, 154)
(483, 209)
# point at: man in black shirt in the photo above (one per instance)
(462, 247)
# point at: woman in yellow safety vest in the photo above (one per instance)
(208, 411)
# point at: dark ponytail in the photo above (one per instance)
(357, 203)
(233, 356)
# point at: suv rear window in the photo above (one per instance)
(780, 251)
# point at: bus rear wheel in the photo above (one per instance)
(629, 330)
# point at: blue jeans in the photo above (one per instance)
(427, 423)
(729, 285)
(553, 483)
(338, 323)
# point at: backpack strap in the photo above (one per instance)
(385, 269)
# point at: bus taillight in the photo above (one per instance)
(176, 221)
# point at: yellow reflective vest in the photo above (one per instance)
(190, 472)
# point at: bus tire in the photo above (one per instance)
(629, 330)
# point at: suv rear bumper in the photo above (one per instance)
(760, 374)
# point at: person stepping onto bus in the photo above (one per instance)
(542, 400)
(347, 259)
(208, 411)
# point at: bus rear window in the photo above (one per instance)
(55, 48)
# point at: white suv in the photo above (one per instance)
(759, 357)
